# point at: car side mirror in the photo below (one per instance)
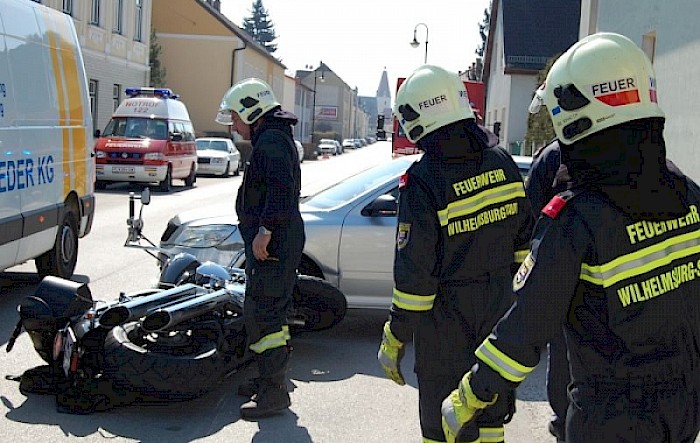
(383, 206)
(97, 133)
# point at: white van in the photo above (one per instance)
(46, 163)
(150, 139)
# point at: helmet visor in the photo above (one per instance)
(224, 117)
(537, 101)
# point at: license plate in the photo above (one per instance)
(122, 170)
(68, 348)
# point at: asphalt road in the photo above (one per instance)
(339, 393)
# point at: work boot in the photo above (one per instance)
(271, 400)
(556, 428)
(249, 387)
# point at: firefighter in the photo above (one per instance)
(267, 206)
(463, 217)
(546, 178)
(614, 260)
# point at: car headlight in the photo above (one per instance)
(154, 156)
(205, 236)
(217, 161)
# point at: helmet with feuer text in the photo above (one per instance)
(430, 98)
(601, 81)
(250, 99)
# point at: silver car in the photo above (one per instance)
(350, 234)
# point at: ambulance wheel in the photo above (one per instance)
(60, 260)
(167, 182)
(190, 179)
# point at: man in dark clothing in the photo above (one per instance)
(544, 182)
(463, 221)
(614, 260)
(267, 206)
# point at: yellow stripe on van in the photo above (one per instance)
(81, 173)
(68, 83)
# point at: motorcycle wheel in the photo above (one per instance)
(317, 303)
(132, 364)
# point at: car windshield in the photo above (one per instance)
(359, 184)
(217, 145)
(136, 127)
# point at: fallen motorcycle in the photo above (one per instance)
(172, 342)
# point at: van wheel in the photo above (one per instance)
(190, 179)
(61, 259)
(167, 182)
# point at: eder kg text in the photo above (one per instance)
(26, 173)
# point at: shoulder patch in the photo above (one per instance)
(403, 235)
(554, 207)
(403, 181)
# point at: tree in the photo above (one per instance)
(484, 32)
(260, 28)
(539, 126)
(157, 70)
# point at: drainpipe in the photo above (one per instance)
(233, 60)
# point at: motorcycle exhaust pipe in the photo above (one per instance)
(169, 316)
(137, 308)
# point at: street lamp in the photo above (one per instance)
(415, 43)
(313, 110)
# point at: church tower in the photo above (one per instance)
(384, 100)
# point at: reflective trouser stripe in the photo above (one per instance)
(412, 302)
(492, 435)
(519, 256)
(501, 363)
(271, 341)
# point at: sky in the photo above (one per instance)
(358, 39)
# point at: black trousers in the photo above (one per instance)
(558, 377)
(644, 411)
(268, 298)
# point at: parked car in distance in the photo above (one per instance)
(217, 156)
(329, 146)
(349, 143)
(300, 150)
(350, 232)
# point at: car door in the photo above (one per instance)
(366, 255)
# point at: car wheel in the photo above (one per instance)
(227, 172)
(237, 171)
(167, 183)
(318, 304)
(190, 179)
(60, 260)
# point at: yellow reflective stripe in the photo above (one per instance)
(480, 200)
(285, 330)
(412, 302)
(501, 363)
(642, 261)
(519, 256)
(492, 435)
(271, 341)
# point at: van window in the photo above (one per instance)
(136, 128)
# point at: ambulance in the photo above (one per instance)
(149, 139)
(46, 164)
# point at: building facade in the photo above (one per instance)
(114, 36)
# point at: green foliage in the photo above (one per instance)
(157, 69)
(484, 32)
(539, 126)
(260, 27)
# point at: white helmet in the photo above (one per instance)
(430, 98)
(249, 98)
(601, 81)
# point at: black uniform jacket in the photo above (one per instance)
(626, 290)
(459, 218)
(269, 193)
